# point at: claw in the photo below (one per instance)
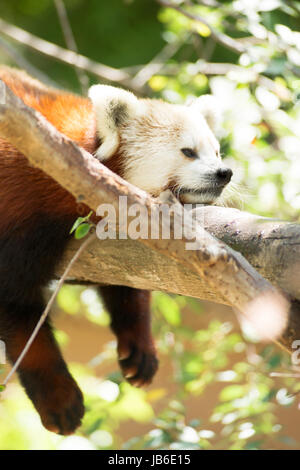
(138, 365)
(131, 373)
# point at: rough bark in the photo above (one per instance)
(272, 246)
(212, 271)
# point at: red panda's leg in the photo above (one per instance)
(43, 371)
(28, 257)
(131, 322)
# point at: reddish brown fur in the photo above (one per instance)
(36, 217)
(25, 190)
(56, 395)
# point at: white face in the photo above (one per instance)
(174, 148)
(161, 145)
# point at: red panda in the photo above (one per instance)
(150, 143)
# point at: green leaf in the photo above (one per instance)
(169, 309)
(76, 224)
(274, 361)
(231, 392)
(82, 231)
(2, 387)
(79, 221)
(68, 299)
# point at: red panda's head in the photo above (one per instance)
(162, 145)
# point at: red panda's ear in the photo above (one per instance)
(209, 107)
(113, 107)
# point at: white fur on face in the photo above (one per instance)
(150, 136)
(153, 159)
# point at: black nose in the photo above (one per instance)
(224, 175)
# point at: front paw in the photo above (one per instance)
(138, 362)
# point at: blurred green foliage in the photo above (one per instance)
(258, 90)
(117, 33)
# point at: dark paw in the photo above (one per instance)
(61, 406)
(66, 417)
(138, 366)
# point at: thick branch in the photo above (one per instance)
(270, 245)
(225, 273)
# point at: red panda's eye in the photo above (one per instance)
(190, 153)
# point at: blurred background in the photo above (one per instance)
(216, 387)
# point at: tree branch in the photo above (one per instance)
(24, 64)
(219, 37)
(70, 41)
(156, 64)
(213, 269)
(79, 61)
(233, 71)
(271, 246)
